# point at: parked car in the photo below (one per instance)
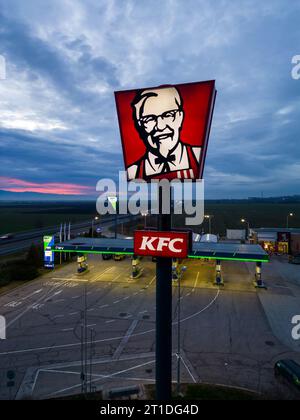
(106, 256)
(119, 257)
(294, 259)
(289, 370)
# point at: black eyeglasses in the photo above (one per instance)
(150, 121)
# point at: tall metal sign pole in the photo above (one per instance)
(163, 315)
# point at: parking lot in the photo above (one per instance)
(230, 335)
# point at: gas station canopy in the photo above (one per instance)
(214, 251)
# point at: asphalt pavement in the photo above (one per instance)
(226, 333)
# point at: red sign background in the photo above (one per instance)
(198, 102)
(166, 251)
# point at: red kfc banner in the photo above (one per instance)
(165, 130)
(161, 244)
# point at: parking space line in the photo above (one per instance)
(116, 278)
(196, 281)
(125, 340)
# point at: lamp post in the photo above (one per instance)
(248, 226)
(95, 218)
(209, 216)
(182, 270)
(287, 219)
(145, 219)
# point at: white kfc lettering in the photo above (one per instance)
(147, 243)
(172, 245)
(162, 243)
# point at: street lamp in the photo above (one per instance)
(145, 221)
(209, 216)
(95, 218)
(180, 274)
(248, 225)
(287, 219)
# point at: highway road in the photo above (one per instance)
(23, 240)
(226, 335)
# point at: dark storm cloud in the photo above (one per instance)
(65, 59)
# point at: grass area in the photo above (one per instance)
(94, 396)
(207, 392)
(201, 392)
(228, 216)
(16, 217)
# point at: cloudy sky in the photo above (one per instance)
(64, 59)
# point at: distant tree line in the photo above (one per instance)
(22, 269)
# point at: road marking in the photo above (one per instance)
(152, 280)
(91, 325)
(36, 306)
(75, 297)
(13, 304)
(59, 300)
(127, 297)
(73, 313)
(103, 306)
(143, 312)
(195, 284)
(99, 377)
(55, 294)
(44, 297)
(67, 329)
(104, 272)
(90, 310)
(104, 340)
(119, 275)
(31, 294)
(125, 340)
(116, 301)
(110, 321)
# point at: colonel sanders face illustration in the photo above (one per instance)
(158, 116)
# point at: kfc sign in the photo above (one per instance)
(161, 244)
(165, 130)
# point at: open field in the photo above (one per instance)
(228, 216)
(16, 217)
